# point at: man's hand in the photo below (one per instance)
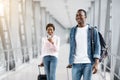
(69, 66)
(95, 66)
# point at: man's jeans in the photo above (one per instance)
(50, 63)
(82, 69)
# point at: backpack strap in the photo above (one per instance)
(92, 39)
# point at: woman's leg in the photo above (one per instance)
(53, 65)
(46, 61)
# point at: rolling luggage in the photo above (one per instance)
(41, 76)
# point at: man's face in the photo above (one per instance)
(80, 17)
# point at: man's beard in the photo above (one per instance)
(81, 22)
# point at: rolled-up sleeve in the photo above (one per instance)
(97, 44)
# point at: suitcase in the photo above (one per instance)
(41, 76)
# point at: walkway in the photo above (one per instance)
(29, 71)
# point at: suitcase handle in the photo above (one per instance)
(41, 76)
(67, 73)
(39, 69)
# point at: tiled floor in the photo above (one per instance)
(29, 71)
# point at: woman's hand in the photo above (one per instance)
(50, 40)
(41, 64)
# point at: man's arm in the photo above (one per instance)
(97, 51)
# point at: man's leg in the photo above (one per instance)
(87, 73)
(76, 71)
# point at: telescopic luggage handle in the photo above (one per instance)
(67, 74)
(39, 69)
(41, 76)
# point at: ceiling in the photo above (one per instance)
(65, 10)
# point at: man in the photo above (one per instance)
(81, 59)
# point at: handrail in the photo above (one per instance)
(110, 68)
(14, 50)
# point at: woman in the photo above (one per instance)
(50, 48)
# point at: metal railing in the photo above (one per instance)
(110, 69)
(17, 58)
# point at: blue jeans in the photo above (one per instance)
(82, 69)
(50, 63)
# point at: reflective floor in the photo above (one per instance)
(22, 26)
(30, 71)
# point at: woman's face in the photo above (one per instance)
(50, 30)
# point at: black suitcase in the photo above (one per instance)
(41, 76)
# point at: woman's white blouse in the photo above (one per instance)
(49, 48)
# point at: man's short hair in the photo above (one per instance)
(83, 11)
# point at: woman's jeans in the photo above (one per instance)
(82, 69)
(50, 63)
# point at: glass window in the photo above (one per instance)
(3, 24)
